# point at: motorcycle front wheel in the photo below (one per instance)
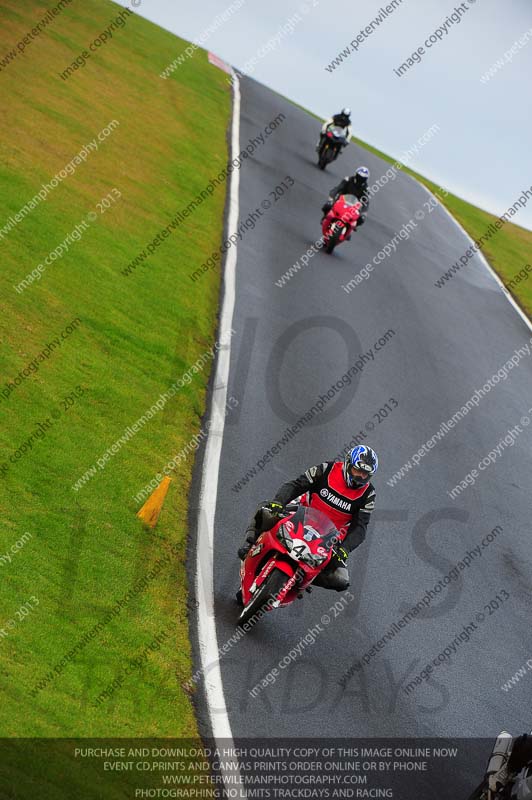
(265, 594)
(333, 241)
(323, 159)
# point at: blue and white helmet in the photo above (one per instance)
(360, 458)
(363, 172)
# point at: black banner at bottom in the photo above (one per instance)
(299, 769)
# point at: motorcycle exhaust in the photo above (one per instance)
(500, 753)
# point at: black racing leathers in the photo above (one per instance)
(353, 184)
(342, 120)
(342, 506)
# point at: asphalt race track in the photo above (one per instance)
(437, 345)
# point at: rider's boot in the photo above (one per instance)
(337, 579)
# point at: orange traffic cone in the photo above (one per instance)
(149, 513)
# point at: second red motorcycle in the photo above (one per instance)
(341, 221)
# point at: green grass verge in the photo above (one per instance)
(136, 335)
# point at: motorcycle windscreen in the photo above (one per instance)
(350, 199)
(313, 525)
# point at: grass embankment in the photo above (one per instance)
(135, 336)
(508, 251)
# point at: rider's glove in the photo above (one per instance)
(339, 556)
(274, 507)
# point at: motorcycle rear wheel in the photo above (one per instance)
(266, 593)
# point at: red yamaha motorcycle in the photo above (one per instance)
(340, 221)
(285, 560)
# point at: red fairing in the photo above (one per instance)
(341, 211)
(269, 552)
(335, 500)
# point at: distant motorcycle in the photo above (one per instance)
(509, 772)
(285, 560)
(333, 143)
(340, 221)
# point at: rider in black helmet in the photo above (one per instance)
(341, 120)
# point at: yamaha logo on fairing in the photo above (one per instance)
(335, 500)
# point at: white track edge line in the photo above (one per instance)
(483, 259)
(207, 639)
